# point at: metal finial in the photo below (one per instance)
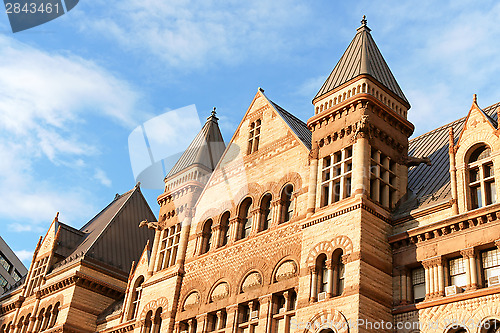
(475, 98)
(364, 21)
(213, 112)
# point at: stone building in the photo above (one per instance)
(339, 225)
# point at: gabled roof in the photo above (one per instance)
(428, 185)
(297, 125)
(205, 149)
(112, 236)
(362, 56)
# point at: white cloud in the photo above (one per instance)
(190, 34)
(101, 176)
(45, 100)
(24, 255)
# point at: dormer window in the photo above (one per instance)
(482, 190)
(254, 137)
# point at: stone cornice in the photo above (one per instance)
(469, 220)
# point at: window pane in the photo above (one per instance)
(459, 280)
(419, 292)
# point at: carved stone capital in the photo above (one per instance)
(468, 253)
(313, 269)
(497, 243)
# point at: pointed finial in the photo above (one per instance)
(213, 112)
(57, 217)
(475, 98)
(364, 21)
(212, 115)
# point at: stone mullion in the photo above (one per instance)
(314, 283)
(232, 318)
(256, 215)
(220, 318)
(265, 314)
(276, 215)
(427, 279)
(216, 233)
(202, 322)
(440, 276)
(469, 256)
(330, 285)
(234, 226)
(157, 264)
(191, 325)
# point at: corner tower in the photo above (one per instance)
(361, 119)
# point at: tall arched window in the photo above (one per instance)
(254, 137)
(148, 322)
(322, 273)
(26, 323)
(20, 324)
(46, 319)
(55, 314)
(245, 218)
(482, 190)
(39, 320)
(206, 242)
(224, 229)
(157, 321)
(338, 273)
(2, 330)
(136, 297)
(286, 203)
(266, 212)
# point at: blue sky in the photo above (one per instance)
(72, 90)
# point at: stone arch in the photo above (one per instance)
(487, 323)
(293, 178)
(288, 272)
(161, 302)
(323, 247)
(325, 319)
(191, 299)
(453, 328)
(211, 213)
(344, 243)
(252, 280)
(468, 140)
(252, 190)
(222, 290)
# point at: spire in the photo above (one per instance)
(205, 149)
(362, 56)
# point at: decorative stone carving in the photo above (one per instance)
(252, 281)
(192, 300)
(221, 291)
(286, 270)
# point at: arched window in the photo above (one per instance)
(490, 326)
(46, 319)
(26, 323)
(55, 314)
(254, 137)
(9, 326)
(157, 321)
(322, 273)
(224, 229)
(286, 203)
(148, 322)
(457, 329)
(20, 324)
(39, 320)
(136, 298)
(338, 273)
(245, 218)
(265, 212)
(206, 241)
(2, 330)
(482, 190)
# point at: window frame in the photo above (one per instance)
(336, 172)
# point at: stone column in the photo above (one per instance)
(232, 318)
(186, 227)
(329, 286)
(265, 314)
(314, 284)
(154, 252)
(234, 226)
(256, 214)
(216, 232)
(156, 262)
(276, 213)
(220, 318)
(361, 162)
(440, 276)
(202, 321)
(403, 272)
(467, 254)
(34, 314)
(192, 324)
(427, 279)
(313, 179)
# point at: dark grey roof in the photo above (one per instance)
(297, 125)
(113, 236)
(362, 56)
(430, 185)
(206, 148)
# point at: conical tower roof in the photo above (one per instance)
(362, 57)
(205, 149)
